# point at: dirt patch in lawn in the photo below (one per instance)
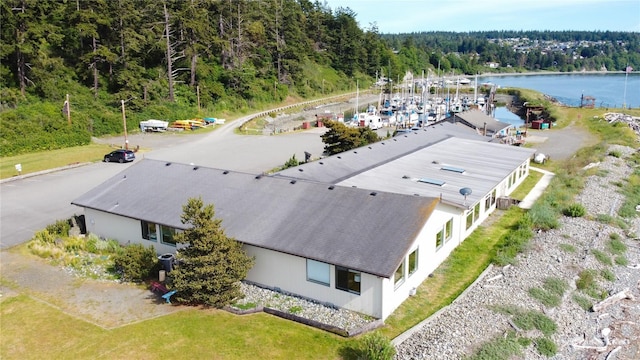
(107, 304)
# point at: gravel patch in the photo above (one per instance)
(341, 318)
(460, 329)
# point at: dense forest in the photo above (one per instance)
(195, 58)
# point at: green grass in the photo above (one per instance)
(202, 334)
(584, 302)
(45, 160)
(602, 257)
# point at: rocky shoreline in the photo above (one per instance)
(460, 329)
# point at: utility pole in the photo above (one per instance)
(124, 123)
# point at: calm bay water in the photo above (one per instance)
(607, 89)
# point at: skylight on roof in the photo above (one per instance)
(451, 168)
(431, 181)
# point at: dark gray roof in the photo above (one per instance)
(350, 227)
(339, 167)
(477, 119)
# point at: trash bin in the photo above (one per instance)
(167, 261)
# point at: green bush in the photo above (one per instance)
(586, 279)
(375, 346)
(61, 228)
(136, 263)
(543, 216)
(574, 210)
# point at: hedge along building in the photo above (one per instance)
(359, 230)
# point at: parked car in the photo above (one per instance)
(120, 156)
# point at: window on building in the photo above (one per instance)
(439, 239)
(318, 272)
(168, 235)
(413, 262)
(149, 231)
(469, 219)
(347, 280)
(448, 230)
(398, 277)
(476, 212)
(493, 197)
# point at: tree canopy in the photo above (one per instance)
(176, 60)
(212, 264)
(340, 138)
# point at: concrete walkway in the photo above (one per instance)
(537, 190)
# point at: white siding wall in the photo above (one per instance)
(289, 273)
(428, 257)
(123, 229)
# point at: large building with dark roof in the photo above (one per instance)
(359, 230)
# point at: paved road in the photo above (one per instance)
(31, 203)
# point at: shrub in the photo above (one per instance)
(136, 262)
(586, 280)
(44, 237)
(60, 228)
(574, 210)
(376, 346)
(74, 244)
(543, 217)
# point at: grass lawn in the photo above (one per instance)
(45, 160)
(32, 329)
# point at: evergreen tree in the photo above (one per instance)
(212, 264)
(340, 138)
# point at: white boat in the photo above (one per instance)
(464, 81)
(153, 125)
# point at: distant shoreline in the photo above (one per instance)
(535, 73)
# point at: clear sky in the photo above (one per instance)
(406, 16)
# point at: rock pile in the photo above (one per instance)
(612, 332)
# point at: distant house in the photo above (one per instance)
(481, 122)
(358, 230)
